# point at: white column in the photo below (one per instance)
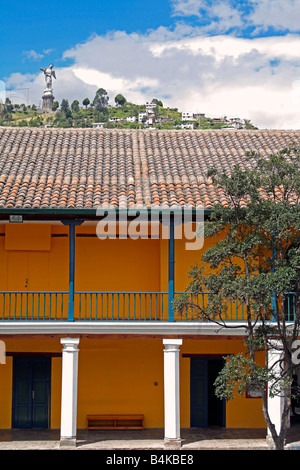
(275, 404)
(69, 391)
(171, 391)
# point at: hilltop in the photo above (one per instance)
(123, 114)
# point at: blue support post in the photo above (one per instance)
(71, 224)
(171, 286)
(71, 271)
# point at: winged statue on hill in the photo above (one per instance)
(49, 73)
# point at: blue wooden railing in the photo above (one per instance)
(117, 306)
(33, 305)
(125, 306)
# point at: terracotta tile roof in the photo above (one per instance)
(86, 168)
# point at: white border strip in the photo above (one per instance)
(119, 327)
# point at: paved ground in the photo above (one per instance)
(192, 439)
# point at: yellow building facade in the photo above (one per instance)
(119, 372)
(87, 325)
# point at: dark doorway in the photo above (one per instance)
(31, 392)
(206, 408)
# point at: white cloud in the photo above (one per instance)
(2, 92)
(221, 46)
(116, 84)
(218, 16)
(278, 14)
(256, 78)
(188, 7)
(222, 15)
(34, 55)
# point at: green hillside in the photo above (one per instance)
(122, 114)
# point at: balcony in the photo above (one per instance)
(117, 306)
(72, 305)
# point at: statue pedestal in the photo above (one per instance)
(48, 99)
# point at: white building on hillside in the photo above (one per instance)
(142, 116)
(150, 107)
(187, 116)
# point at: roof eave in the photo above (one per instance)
(68, 213)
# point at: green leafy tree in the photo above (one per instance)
(101, 100)
(120, 100)
(75, 106)
(23, 108)
(22, 123)
(55, 106)
(65, 108)
(256, 264)
(6, 110)
(157, 102)
(9, 106)
(36, 122)
(86, 102)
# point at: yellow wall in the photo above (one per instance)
(40, 261)
(6, 381)
(114, 375)
(121, 376)
(113, 264)
(125, 376)
(116, 264)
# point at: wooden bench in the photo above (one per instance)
(115, 421)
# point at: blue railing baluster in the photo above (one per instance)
(91, 307)
(123, 311)
(15, 306)
(50, 300)
(140, 306)
(3, 309)
(26, 314)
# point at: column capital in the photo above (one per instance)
(172, 344)
(70, 344)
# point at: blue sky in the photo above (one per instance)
(218, 57)
(60, 24)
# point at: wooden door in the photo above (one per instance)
(31, 392)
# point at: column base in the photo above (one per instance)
(67, 442)
(172, 443)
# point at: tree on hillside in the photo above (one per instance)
(65, 108)
(120, 100)
(100, 101)
(55, 106)
(86, 102)
(157, 102)
(255, 264)
(9, 106)
(75, 106)
(5, 111)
